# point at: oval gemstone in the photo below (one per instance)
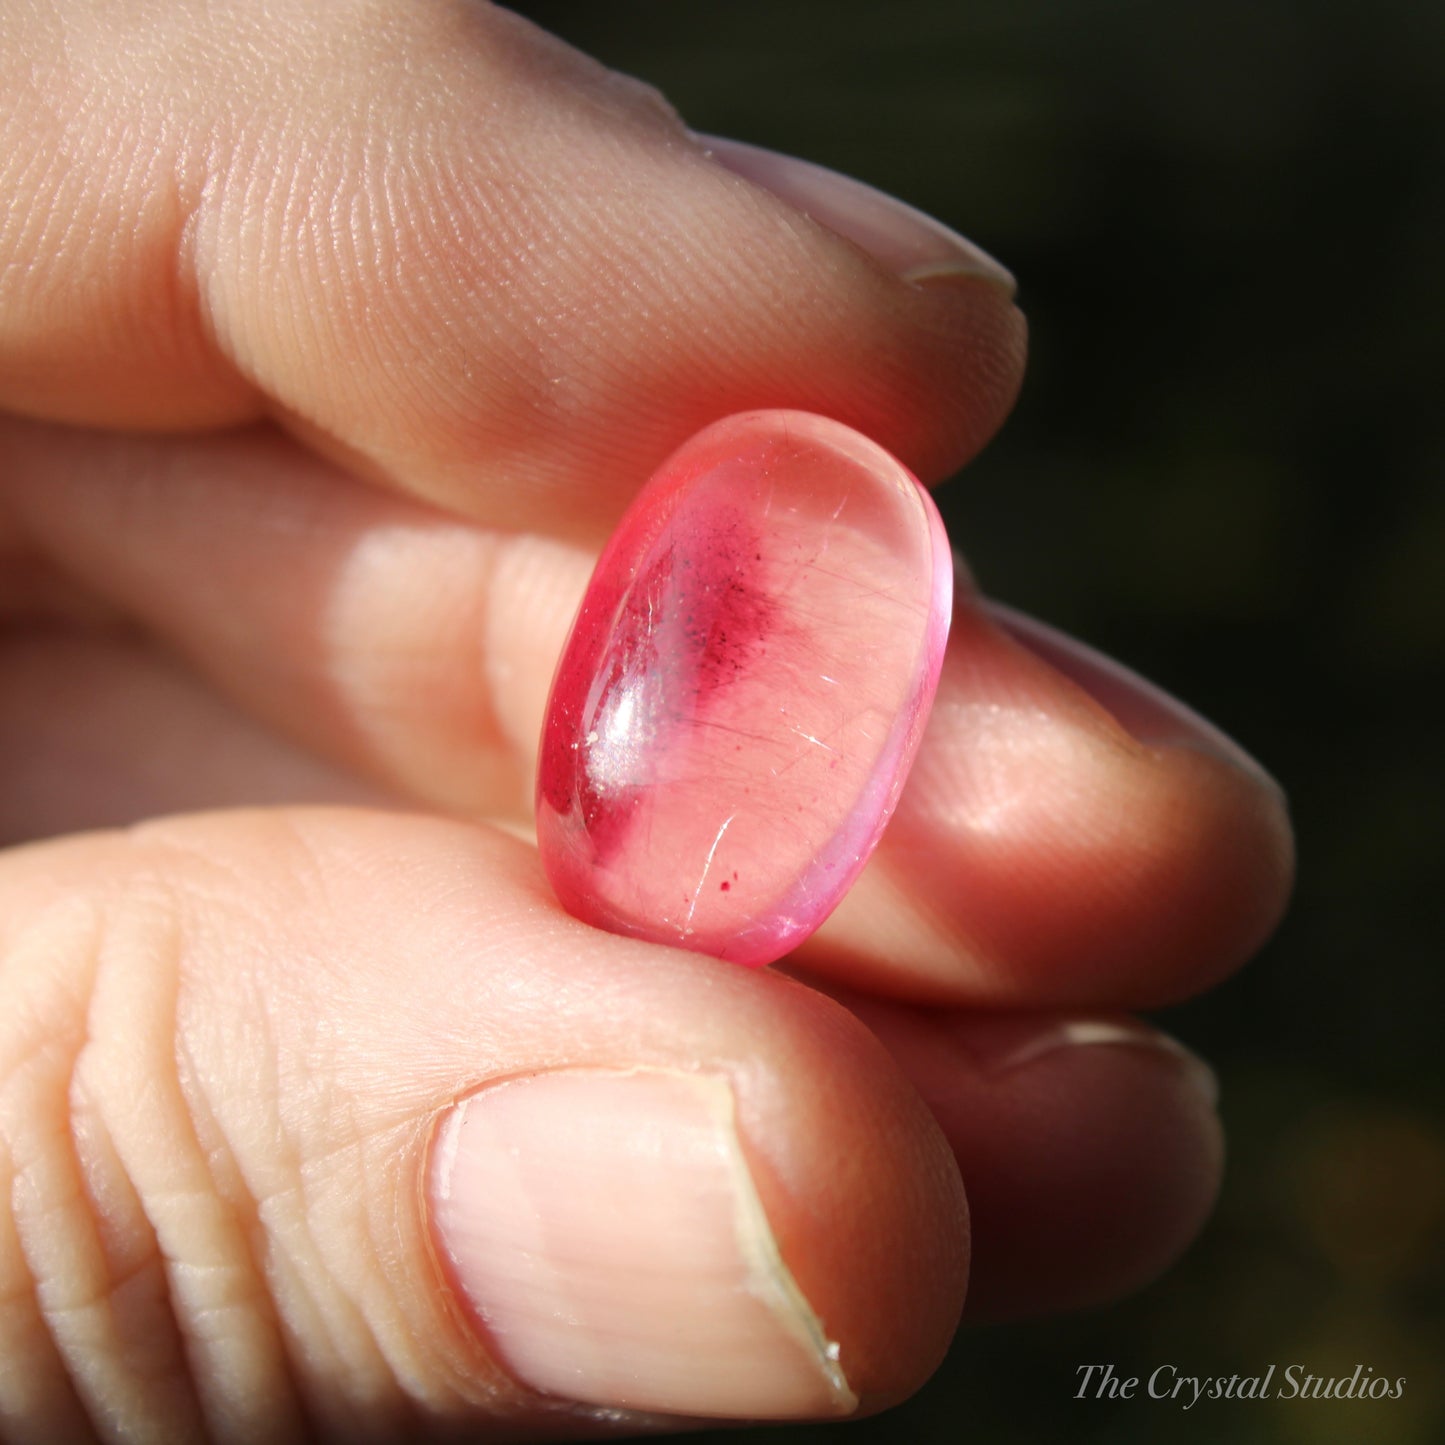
(744, 688)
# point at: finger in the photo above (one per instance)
(392, 639)
(1069, 836)
(100, 732)
(1089, 1145)
(452, 250)
(329, 1118)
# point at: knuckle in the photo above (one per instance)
(130, 1282)
(212, 1226)
(217, 1116)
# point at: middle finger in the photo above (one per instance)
(1044, 852)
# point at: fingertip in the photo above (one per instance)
(1098, 1172)
(968, 339)
(1204, 858)
(1145, 711)
(757, 1219)
(1166, 859)
(972, 354)
(1090, 1146)
(866, 1196)
(906, 241)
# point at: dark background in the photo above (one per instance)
(1227, 468)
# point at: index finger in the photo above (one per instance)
(442, 246)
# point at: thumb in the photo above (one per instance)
(329, 1123)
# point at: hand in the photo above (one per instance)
(333, 340)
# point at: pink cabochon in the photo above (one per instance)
(744, 688)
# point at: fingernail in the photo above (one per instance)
(1003, 1050)
(605, 1230)
(905, 240)
(1147, 713)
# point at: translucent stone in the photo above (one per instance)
(744, 688)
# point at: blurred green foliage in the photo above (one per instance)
(1228, 468)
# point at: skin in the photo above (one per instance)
(291, 528)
